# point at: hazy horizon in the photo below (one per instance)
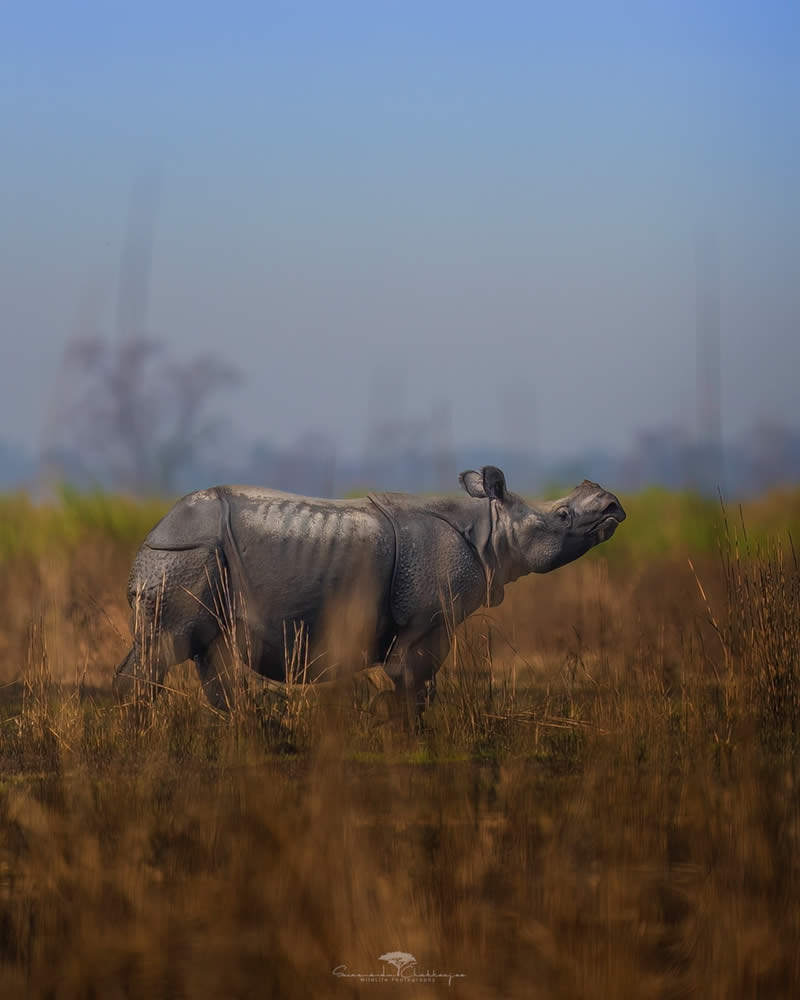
(494, 205)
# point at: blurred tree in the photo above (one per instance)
(774, 455)
(130, 416)
(126, 415)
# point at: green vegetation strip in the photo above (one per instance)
(71, 517)
(660, 522)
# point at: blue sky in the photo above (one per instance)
(495, 202)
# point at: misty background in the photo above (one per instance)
(331, 246)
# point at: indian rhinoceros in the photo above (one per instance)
(274, 560)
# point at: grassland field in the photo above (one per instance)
(603, 801)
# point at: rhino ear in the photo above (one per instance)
(494, 482)
(489, 482)
(472, 482)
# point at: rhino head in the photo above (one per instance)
(538, 539)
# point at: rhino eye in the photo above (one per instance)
(563, 515)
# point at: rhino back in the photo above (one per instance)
(300, 553)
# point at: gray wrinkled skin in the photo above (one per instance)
(270, 561)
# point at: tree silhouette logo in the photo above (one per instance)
(406, 971)
(401, 960)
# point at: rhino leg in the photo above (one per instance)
(140, 677)
(124, 677)
(172, 598)
(216, 685)
(413, 664)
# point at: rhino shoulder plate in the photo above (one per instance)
(194, 522)
(438, 553)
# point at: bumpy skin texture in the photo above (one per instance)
(242, 556)
(170, 597)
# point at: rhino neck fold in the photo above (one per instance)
(383, 509)
(505, 554)
(480, 535)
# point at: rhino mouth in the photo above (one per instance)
(603, 529)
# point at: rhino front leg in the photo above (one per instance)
(426, 659)
(412, 665)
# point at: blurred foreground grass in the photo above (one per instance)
(604, 801)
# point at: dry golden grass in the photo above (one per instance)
(604, 802)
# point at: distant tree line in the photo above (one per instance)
(130, 416)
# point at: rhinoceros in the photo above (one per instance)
(423, 565)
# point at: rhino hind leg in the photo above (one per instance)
(173, 618)
(139, 678)
(216, 685)
(125, 677)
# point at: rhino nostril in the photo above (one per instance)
(613, 509)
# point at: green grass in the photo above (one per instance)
(667, 523)
(660, 522)
(61, 524)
